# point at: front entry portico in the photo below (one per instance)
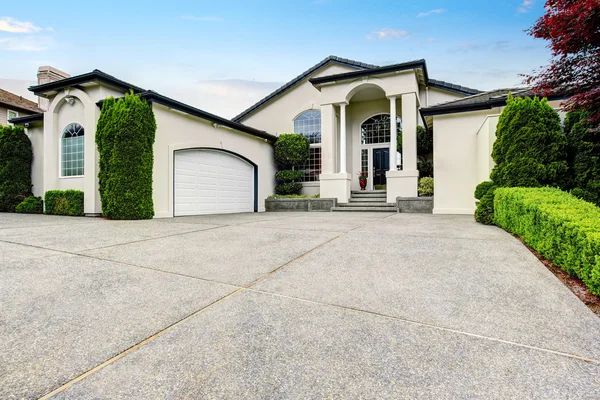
(358, 133)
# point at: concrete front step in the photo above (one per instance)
(367, 199)
(370, 195)
(368, 191)
(367, 204)
(368, 209)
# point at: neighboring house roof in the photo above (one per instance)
(28, 119)
(366, 70)
(94, 76)
(12, 100)
(300, 78)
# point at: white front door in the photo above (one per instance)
(212, 182)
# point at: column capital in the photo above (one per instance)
(343, 103)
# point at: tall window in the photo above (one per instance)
(308, 124)
(377, 129)
(71, 146)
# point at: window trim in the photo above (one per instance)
(8, 111)
(312, 145)
(60, 153)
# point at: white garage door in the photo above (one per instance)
(212, 182)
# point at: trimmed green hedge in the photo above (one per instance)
(64, 202)
(15, 167)
(425, 187)
(562, 228)
(31, 205)
(125, 138)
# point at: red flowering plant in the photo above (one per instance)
(572, 28)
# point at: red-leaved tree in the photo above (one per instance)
(573, 29)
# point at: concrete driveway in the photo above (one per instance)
(319, 305)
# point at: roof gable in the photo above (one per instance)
(327, 61)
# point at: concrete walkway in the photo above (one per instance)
(318, 305)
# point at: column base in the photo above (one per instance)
(401, 184)
(335, 186)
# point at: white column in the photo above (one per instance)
(327, 139)
(343, 149)
(409, 132)
(393, 134)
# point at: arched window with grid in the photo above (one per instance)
(308, 124)
(72, 150)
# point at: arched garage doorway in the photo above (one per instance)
(211, 181)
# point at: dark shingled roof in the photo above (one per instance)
(366, 69)
(452, 87)
(301, 77)
(386, 69)
(18, 102)
(94, 76)
(480, 101)
(28, 119)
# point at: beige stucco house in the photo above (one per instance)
(349, 110)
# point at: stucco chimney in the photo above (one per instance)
(47, 74)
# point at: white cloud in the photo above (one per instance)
(387, 33)
(8, 24)
(526, 6)
(431, 12)
(205, 19)
(25, 43)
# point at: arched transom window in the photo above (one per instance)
(377, 129)
(71, 146)
(308, 124)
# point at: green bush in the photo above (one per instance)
(15, 167)
(424, 150)
(484, 213)
(125, 137)
(288, 175)
(530, 148)
(425, 187)
(291, 149)
(483, 188)
(290, 188)
(584, 157)
(562, 228)
(31, 205)
(64, 202)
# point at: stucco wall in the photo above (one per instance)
(176, 131)
(278, 115)
(436, 96)
(455, 161)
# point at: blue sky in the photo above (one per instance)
(224, 55)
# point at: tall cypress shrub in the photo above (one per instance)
(104, 143)
(530, 151)
(530, 148)
(15, 167)
(125, 142)
(584, 157)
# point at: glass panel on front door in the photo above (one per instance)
(381, 164)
